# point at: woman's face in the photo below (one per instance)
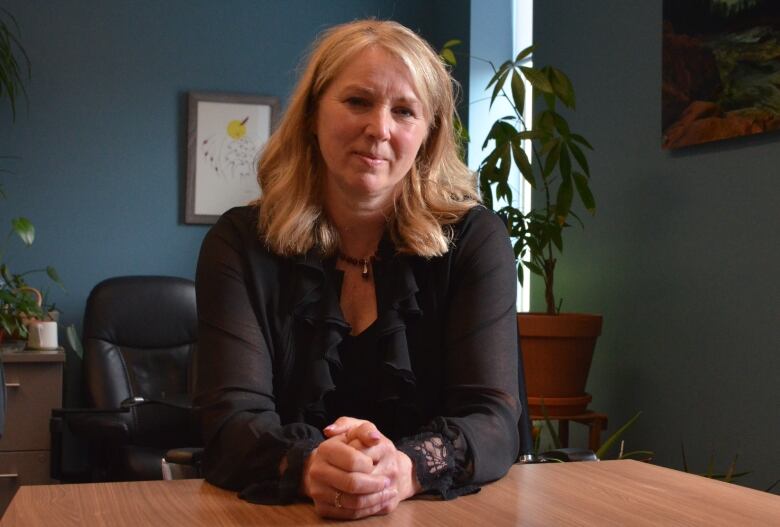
(370, 123)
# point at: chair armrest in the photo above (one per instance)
(94, 424)
(182, 463)
(184, 456)
(569, 454)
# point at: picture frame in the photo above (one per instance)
(225, 134)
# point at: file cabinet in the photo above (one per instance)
(33, 384)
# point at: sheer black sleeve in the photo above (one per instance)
(245, 439)
(476, 439)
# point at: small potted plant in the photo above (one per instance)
(19, 302)
(557, 347)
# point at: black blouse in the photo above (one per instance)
(276, 362)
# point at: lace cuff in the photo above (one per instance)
(433, 456)
(283, 490)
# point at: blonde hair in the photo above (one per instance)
(437, 192)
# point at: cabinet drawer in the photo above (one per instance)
(21, 468)
(32, 390)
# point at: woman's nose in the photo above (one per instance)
(379, 123)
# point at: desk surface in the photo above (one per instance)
(604, 493)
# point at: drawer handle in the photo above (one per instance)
(13, 385)
(8, 476)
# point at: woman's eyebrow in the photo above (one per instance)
(359, 89)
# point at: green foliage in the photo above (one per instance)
(14, 62)
(615, 437)
(729, 475)
(18, 300)
(549, 156)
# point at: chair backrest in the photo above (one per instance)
(140, 335)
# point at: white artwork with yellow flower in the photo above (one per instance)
(229, 139)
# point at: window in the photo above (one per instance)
(499, 29)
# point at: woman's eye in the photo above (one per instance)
(357, 102)
(404, 112)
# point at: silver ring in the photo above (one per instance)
(337, 500)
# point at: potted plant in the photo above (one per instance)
(19, 302)
(557, 347)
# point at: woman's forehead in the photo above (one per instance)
(377, 64)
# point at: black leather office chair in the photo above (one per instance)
(139, 341)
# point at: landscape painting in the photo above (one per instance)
(721, 70)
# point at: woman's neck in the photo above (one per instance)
(360, 229)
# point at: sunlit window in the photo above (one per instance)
(500, 29)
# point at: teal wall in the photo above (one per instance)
(102, 148)
(681, 258)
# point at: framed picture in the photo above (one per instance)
(721, 74)
(225, 135)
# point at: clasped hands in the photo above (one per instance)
(357, 472)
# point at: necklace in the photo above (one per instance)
(359, 262)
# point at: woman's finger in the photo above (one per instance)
(366, 432)
(327, 476)
(341, 426)
(367, 501)
(346, 507)
(336, 452)
(376, 452)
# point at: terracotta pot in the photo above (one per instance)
(557, 352)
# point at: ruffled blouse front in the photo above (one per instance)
(339, 371)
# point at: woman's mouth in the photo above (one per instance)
(370, 159)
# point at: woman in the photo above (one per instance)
(357, 337)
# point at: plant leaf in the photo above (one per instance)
(561, 125)
(581, 140)
(518, 92)
(500, 71)
(611, 440)
(537, 79)
(534, 268)
(583, 189)
(54, 276)
(552, 158)
(498, 86)
(24, 229)
(448, 56)
(522, 162)
(579, 155)
(564, 162)
(562, 86)
(74, 341)
(523, 54)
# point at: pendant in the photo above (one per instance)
(364, 274)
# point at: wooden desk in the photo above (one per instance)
(565, 494)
